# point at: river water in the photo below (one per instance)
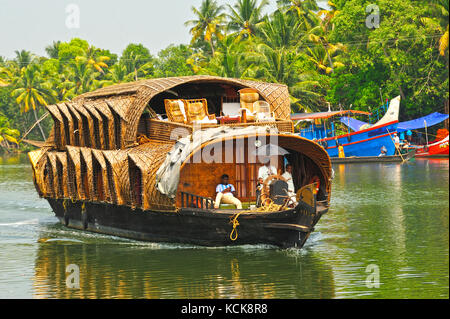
(385, 236)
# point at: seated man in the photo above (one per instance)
(383, 151)
(225, 193)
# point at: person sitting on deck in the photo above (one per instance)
(225, 193)
(383, 151)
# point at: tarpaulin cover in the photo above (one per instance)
(354, 124)
(429, 120)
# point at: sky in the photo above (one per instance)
(107, 24)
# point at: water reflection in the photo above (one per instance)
(392, 213)
(395, 216)
(139, 270)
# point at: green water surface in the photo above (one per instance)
(385, 236)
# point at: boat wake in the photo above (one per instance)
(20, 223)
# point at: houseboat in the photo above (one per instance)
(144, 160)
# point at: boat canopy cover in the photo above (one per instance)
(429, 120)
(352, 123)
(323, 115)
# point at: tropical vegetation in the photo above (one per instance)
(330, 55)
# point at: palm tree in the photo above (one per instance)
(118, 74)
(81, 78)
(209, 22)
(246, 17)
(323, 56)
(135, 65)
(319, 36)
(328, 15)
(282, 31)
(6, 76)
(24, 58)
(304, 94)
(92, 58)
(275, 64)
(304, 9)
(282, 65)
(53, 50)
(231, 59)
(442, 7)
(7, 134)
(32, 91)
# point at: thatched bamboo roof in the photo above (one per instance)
(122, 106)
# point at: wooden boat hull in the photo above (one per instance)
(374, 159)
(439, 149)
(289, 228)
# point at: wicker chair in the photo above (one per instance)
(197, 111)
(248, 96)
(262, 112)
(176, 110)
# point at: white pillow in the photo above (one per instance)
(206, 120)
(181, 105)
(264, 117)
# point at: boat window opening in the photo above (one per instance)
(72, 180)
(86, 134)
(97, 173)
(57, 134)
(76, 128)
(136, 183)
(117, 130)
(49, 179)
(84, 178)
(105, 125)
(97, 141)
(59, 174)
(111, 184)
(66, 129)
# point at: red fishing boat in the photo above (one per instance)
(436, 149)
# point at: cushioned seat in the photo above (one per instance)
(197, 112)
(176, 110)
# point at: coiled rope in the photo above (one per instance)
(269, 207)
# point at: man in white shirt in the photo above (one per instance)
(225, 193)
(397, 143)
(287, 175)
(267, 170)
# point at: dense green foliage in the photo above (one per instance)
(342, 55)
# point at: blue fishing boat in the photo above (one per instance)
(368, 140)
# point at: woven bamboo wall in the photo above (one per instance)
(86, 174)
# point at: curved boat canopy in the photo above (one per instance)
(110, 117)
